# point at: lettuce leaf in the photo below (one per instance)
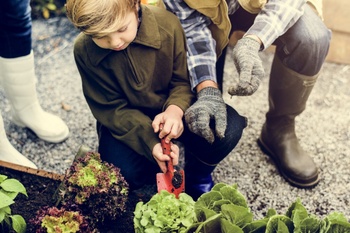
(164, 213)
(237, 215)
(336, 222)
(279, 224)
(216, 224)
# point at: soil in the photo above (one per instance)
(41, 191)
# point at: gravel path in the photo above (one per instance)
(323, 129)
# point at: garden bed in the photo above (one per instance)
(41, 187)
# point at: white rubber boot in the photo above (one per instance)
(19, 82)
(8, 153)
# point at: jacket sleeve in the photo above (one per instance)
(275, 19)
(180, 93)
(200, 43)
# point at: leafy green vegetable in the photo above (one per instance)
(311, 225)
(18, 223)
(52, 219)
(97, 187)
(216, 223)
(9, 189)
(298, 220)
(237, 215)
(231, 194)
(336, 223)
(258, 226)
(279, 224)
(223, 209)
(164, 213)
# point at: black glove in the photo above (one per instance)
(209, 105)
(248, 65)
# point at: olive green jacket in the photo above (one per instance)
(126, 89)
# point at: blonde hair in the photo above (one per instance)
(99, 17)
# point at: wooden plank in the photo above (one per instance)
(339, 51)
(336, 15)
(33, 171)
(336, 18)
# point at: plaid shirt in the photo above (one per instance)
(273, 21)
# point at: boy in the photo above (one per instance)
(132, 61)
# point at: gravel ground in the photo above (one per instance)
(323, 129)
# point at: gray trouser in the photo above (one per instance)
(303, 48)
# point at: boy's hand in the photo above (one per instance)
(169, 123)
(161, 158)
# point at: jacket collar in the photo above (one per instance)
(148, 34)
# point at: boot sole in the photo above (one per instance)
(59, 139)
(52, 139)
(309, 185)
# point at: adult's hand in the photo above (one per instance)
(248, 65)
(209, 106)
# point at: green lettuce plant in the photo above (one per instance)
(164, 213)
(96, 187)
(9, 189)
(298, 220)
(224, 209)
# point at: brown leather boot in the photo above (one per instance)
(288, 93)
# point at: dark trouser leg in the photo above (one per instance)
(201, 158)
(136, 169)
(15, 28)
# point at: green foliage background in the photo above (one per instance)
(47, 8)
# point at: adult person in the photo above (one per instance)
(302, 42)
(17, 77)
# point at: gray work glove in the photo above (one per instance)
(209, 105)
(248, 65)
